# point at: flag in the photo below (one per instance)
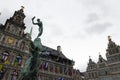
(19, 59)
(60, 78)
(1, 67)
(14, 75)
(66, 70)
(70, 71)
(6, 62)
(47, 53)
(45, 65)
(5, 56)
(15, 63)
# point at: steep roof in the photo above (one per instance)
(55, 52)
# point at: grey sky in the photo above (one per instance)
(81, 27)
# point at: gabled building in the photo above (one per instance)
(14, 46)
(106, 69)
(54, 65)
(77, 75)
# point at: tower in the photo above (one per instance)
(113, 57)
(14, 46)
(91, 70)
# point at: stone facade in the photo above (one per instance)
(14, 46)
(14, 52)
(55, 66)
(77, 75)
(106, 69)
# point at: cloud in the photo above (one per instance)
(98, 28)
(55, 30)
(5, 14)
(92, 17)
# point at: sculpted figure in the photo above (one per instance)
(31, 69)
(40, 25)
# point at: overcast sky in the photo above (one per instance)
(80, 27)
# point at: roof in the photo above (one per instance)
(55, 52)
(56, 55)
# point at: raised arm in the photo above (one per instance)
(33, 21)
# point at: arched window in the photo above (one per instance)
(41, 65)
(22, 45)
(51, 67)
(3, 39)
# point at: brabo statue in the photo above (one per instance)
(40, 25)
(31, 69)
(37, 41)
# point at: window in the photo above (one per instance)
(51, 67)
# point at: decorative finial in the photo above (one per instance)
(100, 55)
(90, 60)
(109, 38)
(22, 7)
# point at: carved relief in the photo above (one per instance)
(10, 40)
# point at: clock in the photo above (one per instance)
(10, 40)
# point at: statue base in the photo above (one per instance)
(37, 43)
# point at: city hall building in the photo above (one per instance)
(14, 46)
(15, 51)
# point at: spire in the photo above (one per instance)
(100, 58)
(91, 64)
(109, 38)
(31, 31)
(112, 47)
(111, 44)
(21, 11)
(90, 60)
(22, 7)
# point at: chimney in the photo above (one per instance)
(59, 48)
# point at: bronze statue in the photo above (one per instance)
(31, 69)
(40, 25)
